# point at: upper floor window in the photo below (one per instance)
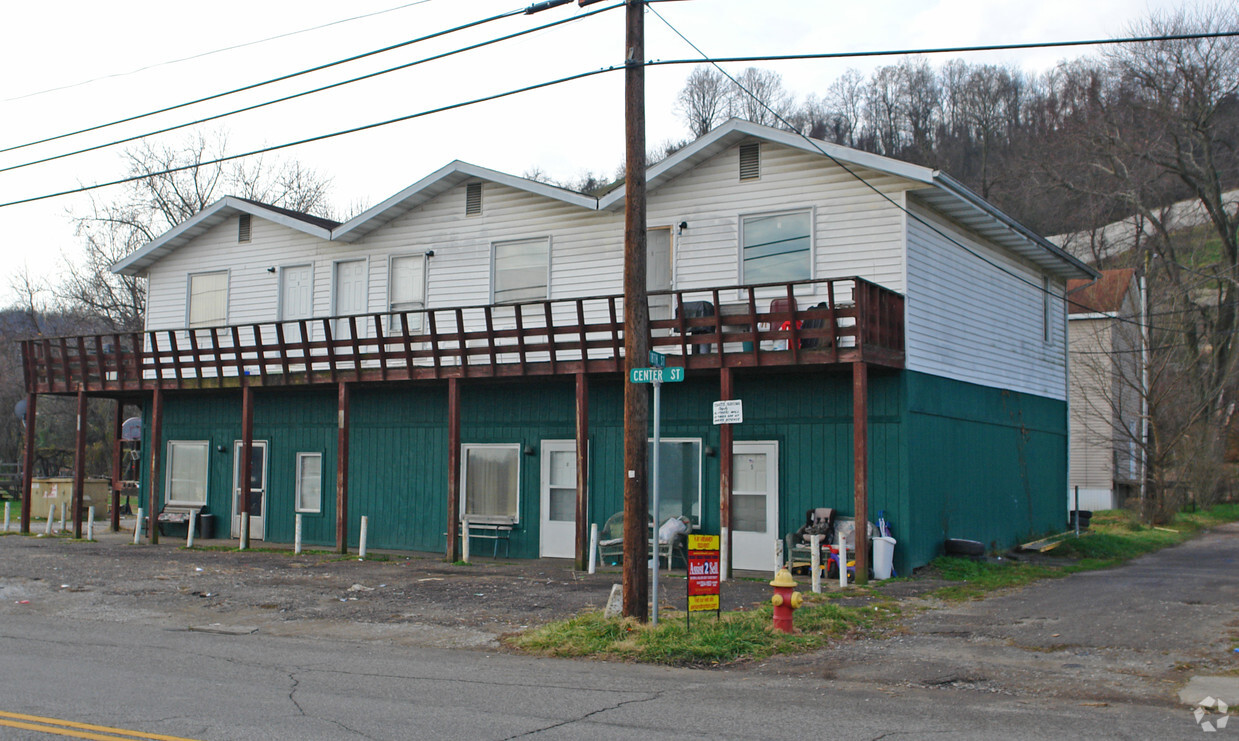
(521, 270)
(776, 247)
(208, 299)
(406, 288)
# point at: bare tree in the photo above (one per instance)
(157, 202)
(758, 95)
(705, 100)
(845, 104)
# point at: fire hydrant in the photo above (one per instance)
(785, 600)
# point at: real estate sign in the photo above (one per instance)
(703, 572)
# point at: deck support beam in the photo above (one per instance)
(32, 401)
(247, 453)
(582, 471)
(79, 464)
(118, 424)
(342, 434)
(860, 466)
(152, 483)
(724, 478)
(453, 470)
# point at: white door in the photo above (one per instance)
(296, 292)
(558, 519)
(754, 504)
(349, 295)
(258, 488)
(658, 270)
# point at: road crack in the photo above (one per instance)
(590, 714)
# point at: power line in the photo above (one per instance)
(321, 137)
(245, 109)
(200, 55)
(281, 78)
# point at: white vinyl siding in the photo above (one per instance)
(208, 299)
(521, 270)
(491, 480)
(979, 320)
(187, 472)
(309, 482)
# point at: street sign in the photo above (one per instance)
(728, 412)
(657, 359)
(674, 374)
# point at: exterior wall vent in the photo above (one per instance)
(243, 228)
(750, 161)
(473, 199)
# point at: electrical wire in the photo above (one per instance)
(321, 137)
(861, 179)
(213, 52)
(281, 78)
(245, 109)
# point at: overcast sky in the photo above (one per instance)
(563, 131)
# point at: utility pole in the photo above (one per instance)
(636, 323)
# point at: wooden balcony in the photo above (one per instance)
(823, 322)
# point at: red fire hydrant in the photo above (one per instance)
(785, 600)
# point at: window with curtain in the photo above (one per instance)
(492, 480)
(309, 482)
(521, 270)
(679, 478)
(406, 288)
(208, 299)
(775, 247)
(187, 472)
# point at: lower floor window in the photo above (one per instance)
(679, 478)
(492, 475)
(309, 482)
(187, 472)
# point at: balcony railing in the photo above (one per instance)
(821, 322)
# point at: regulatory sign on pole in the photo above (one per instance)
(728, 412)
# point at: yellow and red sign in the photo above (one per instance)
(703, 573)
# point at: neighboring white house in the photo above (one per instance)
(1105, 362)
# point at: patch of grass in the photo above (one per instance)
(710, 641)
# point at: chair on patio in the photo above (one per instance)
(611, 540)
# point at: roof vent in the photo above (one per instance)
(243, 228)
(750, 161)
(473, 199)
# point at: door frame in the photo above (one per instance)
(257, 525)
(770, 447)
(544, 502)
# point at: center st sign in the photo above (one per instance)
(673, 374)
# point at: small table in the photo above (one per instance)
(489, 529)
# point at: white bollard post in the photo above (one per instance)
(90, 523)
(245, 531)
(815, 562)
(51, 516)
(593, 545)
(62, 516)
(191, 530)
(843, 562)
(6, 516)
(724, 553)
(297, 534)
(137, 527)
(361, 540)
(464, 539)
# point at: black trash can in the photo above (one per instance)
(1083, 515)
(206, 526)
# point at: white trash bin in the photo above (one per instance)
(883, 555)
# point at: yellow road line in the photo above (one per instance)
(77, 730)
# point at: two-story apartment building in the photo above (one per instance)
(456, 351)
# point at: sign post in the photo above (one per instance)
(703, 575)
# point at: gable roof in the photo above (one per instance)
(214, 215)
(1102, 296)
(440, 181)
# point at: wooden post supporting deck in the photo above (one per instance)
(118, 424)
(860, 466)
(342, 470)
(724, 479)
(582, 470)
(32, 401)
(247, 452)
(152, 483)
(79, 464)
(453, 469)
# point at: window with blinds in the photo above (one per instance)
(521, 270)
